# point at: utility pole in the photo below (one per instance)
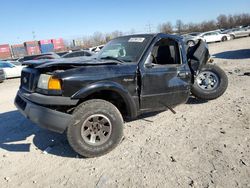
(149, 27)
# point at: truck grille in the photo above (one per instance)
(28, 80)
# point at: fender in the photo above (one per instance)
(109, 86)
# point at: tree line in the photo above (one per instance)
(98, 38)
(222, 22)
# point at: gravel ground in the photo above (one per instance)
(206, 144)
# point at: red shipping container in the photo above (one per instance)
(58, 44)
(45, 42)
(33, 50)
(57, 41)
(4, 48)
(5, 52)
(31, 42)
(32, 47)
(5, 55)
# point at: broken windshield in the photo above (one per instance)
(125, 49)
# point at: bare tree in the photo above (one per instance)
(115, 34)
(98, 38)
(245, 19)
(222, 21)
(208, 26)
(231, 21)
(166, 27)
(191, 27)
(179, 26)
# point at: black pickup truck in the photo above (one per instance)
(131, 75)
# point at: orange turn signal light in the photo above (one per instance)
(54, 84)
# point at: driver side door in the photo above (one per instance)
(165, 78)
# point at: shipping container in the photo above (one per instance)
(33, 50)
(58, 44)
(48, 41)
(32, 47)
(5, 55)
(31, 43)
(18, 50)
(45, 48)
(5, 52)
(4, 48)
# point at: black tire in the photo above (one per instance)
(82, 115)
(190, 43)
(224, 39)
(232, 36)
(214, 89)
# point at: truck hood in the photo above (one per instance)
(68, 62)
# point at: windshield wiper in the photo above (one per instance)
(112, 58)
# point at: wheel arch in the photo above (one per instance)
(112, 92)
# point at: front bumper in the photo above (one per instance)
(45, 117)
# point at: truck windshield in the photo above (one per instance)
(125, 49)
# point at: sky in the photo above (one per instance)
(23, 20)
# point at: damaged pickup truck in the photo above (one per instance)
(131, 75)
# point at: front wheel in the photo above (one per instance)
(210, 83)
(96, 129)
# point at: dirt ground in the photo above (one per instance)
(206, 144)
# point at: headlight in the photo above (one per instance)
(49, 82)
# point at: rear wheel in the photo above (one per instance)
(210, 83)
(96, 129)
(224, 39)
(232, 36)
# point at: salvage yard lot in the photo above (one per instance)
(206, 144)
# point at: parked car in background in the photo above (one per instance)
(78, 54)
(214, 36)
(96, 49)
(61, 53)
(49, 55)
(17, 63)
(238, 32)
(191, 39)
(10, 70)
(194, 34)
(2, 75)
